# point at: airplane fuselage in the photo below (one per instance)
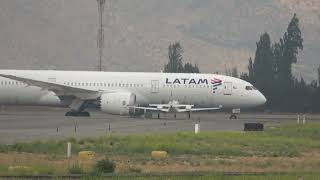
(202, 90)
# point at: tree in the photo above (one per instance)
(290, 44)
(234, 72)
(271, 70)
(189, 68)
(319, 76)
(245, 76)
(175, 58)
(250, 69)
(175, 64)
(263, 65)
(288, 49)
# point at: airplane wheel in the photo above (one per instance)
(233, 116)
(84, 114)
(71, 113)
(158, 115)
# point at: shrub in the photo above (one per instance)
(75, 169)
(105, 166)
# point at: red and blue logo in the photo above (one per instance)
(216, 83)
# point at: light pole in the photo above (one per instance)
(100, 39)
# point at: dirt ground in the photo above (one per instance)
(308, 162)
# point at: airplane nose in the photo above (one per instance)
(262, 99)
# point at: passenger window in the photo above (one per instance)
(248, 88)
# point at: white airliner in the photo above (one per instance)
(124, 92)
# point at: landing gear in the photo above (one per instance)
(189, 115)
(233, 116)
(234, 113)
(78, 114)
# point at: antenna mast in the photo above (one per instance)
(100, 39)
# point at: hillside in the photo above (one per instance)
(61, 34)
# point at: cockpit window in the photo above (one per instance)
(249, 88)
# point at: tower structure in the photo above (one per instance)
(100, 38)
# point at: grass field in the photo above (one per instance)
(287, 141)
(287, 149)
(222, 177)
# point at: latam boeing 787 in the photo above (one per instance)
(123, 92)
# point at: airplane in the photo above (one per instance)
(124, 93)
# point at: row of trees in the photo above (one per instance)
(271, 72)
(175, 64)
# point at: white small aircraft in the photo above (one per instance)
(122, 93)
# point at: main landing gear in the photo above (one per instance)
(78, 114)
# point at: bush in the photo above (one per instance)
(75, 169)
(105, 166)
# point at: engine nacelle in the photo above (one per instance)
(117, 103)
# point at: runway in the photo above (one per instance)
(28, 124)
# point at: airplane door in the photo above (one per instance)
(154, 86)
(227, 88)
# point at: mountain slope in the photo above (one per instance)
(61, 34)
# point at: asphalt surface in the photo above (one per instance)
(28, 124)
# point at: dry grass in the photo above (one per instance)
(308, 162)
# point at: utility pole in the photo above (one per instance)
(100, 39)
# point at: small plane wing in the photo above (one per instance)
(175, 108)
(60, 90)
(199, 109)
(150, 108)
(171, 105)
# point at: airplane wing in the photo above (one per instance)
(60, 90)
(199, 109)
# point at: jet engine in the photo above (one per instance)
(117, 103)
